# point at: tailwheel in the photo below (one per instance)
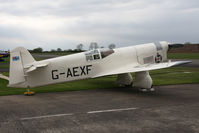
(28, 92)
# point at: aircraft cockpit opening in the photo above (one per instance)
(98, 54)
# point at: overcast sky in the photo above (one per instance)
(65, 23)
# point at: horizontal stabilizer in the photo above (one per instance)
(34, 66)
(4, 77)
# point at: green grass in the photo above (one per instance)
(98, 83)
(6, 63)
(5, 73)
(7, 59)
(174, 75)
(4, 66)
(183, 55)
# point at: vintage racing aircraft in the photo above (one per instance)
(25, 72)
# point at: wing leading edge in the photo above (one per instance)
(138, 68)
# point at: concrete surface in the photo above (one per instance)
(170, 109)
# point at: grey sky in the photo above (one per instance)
(65, 23)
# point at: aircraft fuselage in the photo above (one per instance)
(88, 64)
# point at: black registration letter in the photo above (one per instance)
(54, 76)
(75, 71)
(87, 68)
(82, 70)
(69, 73)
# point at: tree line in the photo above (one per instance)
(79, 48)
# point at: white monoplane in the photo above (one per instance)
(25, 72)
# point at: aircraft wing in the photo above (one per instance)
(138, 68)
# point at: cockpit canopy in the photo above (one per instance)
(98, 54)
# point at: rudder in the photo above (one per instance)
(19, 58)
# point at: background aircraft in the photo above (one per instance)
(3, 54)
(25, 72)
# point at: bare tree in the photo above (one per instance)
(93, 45)
(112, 46)
(37, 50)
(80, 47)
(59, 49)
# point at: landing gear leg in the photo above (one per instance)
(28, 92)
(143, 81)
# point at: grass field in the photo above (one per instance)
(174, 75)
(5, 64)
(183, 55)
(98, 83)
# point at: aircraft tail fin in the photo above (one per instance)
(19, 57)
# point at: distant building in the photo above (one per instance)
(188, 48)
